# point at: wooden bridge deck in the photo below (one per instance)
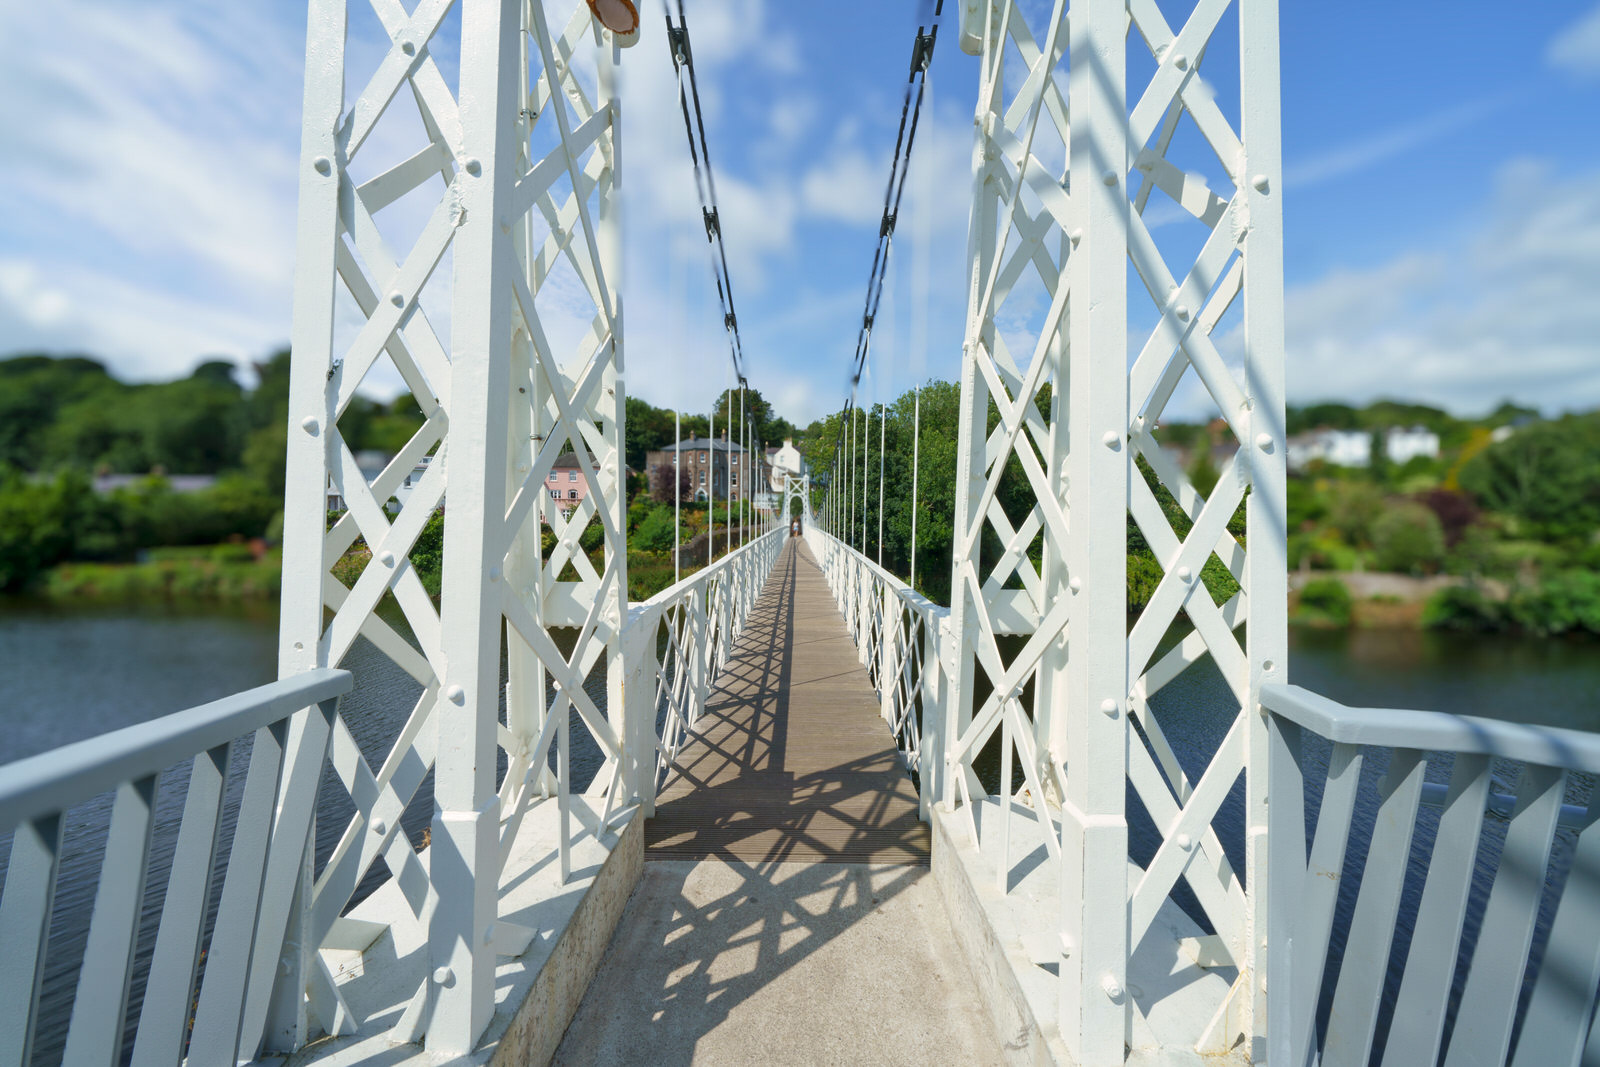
(791, 760)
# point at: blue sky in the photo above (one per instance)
(1442, 194)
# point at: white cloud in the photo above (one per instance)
(1343, 160)
(1509, 313)
(1576, 49)
(149, 181)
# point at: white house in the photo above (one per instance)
(1401, 444)
(1339, 448)
(787, 460)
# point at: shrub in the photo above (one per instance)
(1324, 602)
(1408, 539)
(1462, 607)
(654, 534)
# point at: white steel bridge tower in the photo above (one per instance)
(1098, 147)
(520, 158)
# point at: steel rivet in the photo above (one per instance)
(408, 48)
(442, 975)
(1109, 177)
(322, 165)
(488, 934)
(1076, 236)
(309, 424)
(455, 694)
(380, 827)
(1182, 311)
(474, 167)
(1185, 575)
(1111, 439)
(386, 558)
(1180, 61)
(1269, 665)
(397, 298)
(1112, 987)
(1264, 442)
(1260, 182)
(494, 574)
(285, 965)
(1184, 842)
(1076, 585)
(1109, 706)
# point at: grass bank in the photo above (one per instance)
(221, 573)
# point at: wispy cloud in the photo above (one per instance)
(1358, 156)
(1510, 312)
(1576, 49)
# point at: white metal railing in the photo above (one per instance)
(897, 632)
(680, 640)
(243, 985)
(1471, 933)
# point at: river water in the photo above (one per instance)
(70, 673)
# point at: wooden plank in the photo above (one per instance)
(790, 760)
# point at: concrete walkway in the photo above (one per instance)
(735, 954)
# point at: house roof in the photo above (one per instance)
(702, 443)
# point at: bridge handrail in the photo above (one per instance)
(1434, 731)
(263, 865)
(54, 781)
(682, 637)
(1488, 867)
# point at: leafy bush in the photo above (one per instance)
(1324, 602)
(1408, 539)
(655, 533)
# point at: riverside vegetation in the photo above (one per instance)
(62, 419)
(1511, 521)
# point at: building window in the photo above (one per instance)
(572, 476)
(572, 494)
(702, 477)
(555, 494)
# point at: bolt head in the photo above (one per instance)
(1111, 439)
(1111, 986)
(443, 975)
(1076, 585)
(397, 298)
(1109, 706)
(1185, 575)
(1076, 236)
(1180, 61)
(455, 694)
(408, 48)
(1264, 442)
(386, 558)
(380, 827)
(1260, 182)
(1182, 311)
(474, 168)
(1184, 842)
(494, 574)
(1109, 177)
(309, 424)
(322, 165)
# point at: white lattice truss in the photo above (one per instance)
(523, 163)
(1067, 204)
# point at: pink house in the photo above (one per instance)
(566, 484)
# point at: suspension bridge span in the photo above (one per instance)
(816, 817)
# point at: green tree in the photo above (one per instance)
(1546, 474)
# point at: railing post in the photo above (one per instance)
(888, 652)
